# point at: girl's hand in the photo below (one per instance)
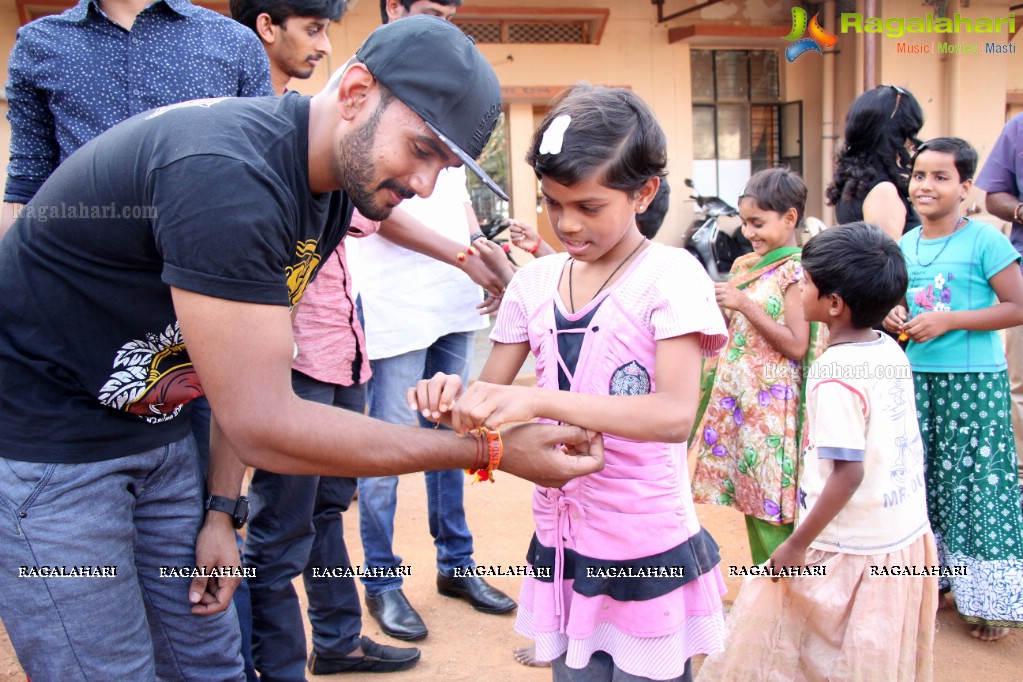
(927, 326)
(523, 235)
(789, 553)
(435, 397)
(728, 296)
(895, 319)
(493, 406)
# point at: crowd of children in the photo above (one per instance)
(843, 450)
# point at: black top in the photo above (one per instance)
(210, 196)
(851, 211)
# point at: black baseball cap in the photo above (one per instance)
(436, 71)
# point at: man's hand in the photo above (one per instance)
(480, 272)
(551, 455)
(215, 547)
(495, 258)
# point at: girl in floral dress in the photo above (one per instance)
(964, 285)
(747, 438)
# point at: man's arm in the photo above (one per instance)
(33, 148)
(998, 176)
(215, 545)
(1002, 205)
(242, 353)
(407, 232)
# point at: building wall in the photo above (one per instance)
(961, 95)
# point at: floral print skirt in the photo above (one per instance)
(973, 495)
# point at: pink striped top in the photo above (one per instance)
(326, 327)
(639, 508)
(657, 280)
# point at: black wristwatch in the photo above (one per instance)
(238, 509)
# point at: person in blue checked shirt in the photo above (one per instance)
(73, 75)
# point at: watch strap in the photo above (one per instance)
(236, 508)
(221, 504)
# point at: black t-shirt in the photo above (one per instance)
(210, 196)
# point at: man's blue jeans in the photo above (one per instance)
(392, 377)
(200, 416)
(295, 528)
(137, 514)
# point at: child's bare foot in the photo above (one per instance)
(526, 655)
(988, 633)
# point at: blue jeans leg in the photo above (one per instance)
(377, 496)
(296, 526)
(200, 417)
(135, 514)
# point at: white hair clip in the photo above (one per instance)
(554, 136)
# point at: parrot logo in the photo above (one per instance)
(819, 38)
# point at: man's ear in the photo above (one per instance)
(266, 29)
(357, 84)
(395, 10)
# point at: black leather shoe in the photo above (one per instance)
(477, 592)
(396, 616)
(376, 658)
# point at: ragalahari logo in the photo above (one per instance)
(819, 38)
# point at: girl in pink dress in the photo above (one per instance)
(626, 584)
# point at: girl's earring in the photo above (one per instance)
(641, 208)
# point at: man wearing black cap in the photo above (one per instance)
(426, 328)
(201, 224)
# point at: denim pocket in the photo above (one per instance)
(21, 482)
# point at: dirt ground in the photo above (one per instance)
(466, 645)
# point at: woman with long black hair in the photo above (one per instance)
(872, 171)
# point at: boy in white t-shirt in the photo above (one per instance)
(854, 589)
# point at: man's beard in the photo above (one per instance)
(353, 166)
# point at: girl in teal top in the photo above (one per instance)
(964, 285)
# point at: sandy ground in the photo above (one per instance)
(466, 645)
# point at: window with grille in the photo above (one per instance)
(526, 32)
(573, 26)
(740, 125)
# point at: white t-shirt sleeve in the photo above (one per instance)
(840, 422)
